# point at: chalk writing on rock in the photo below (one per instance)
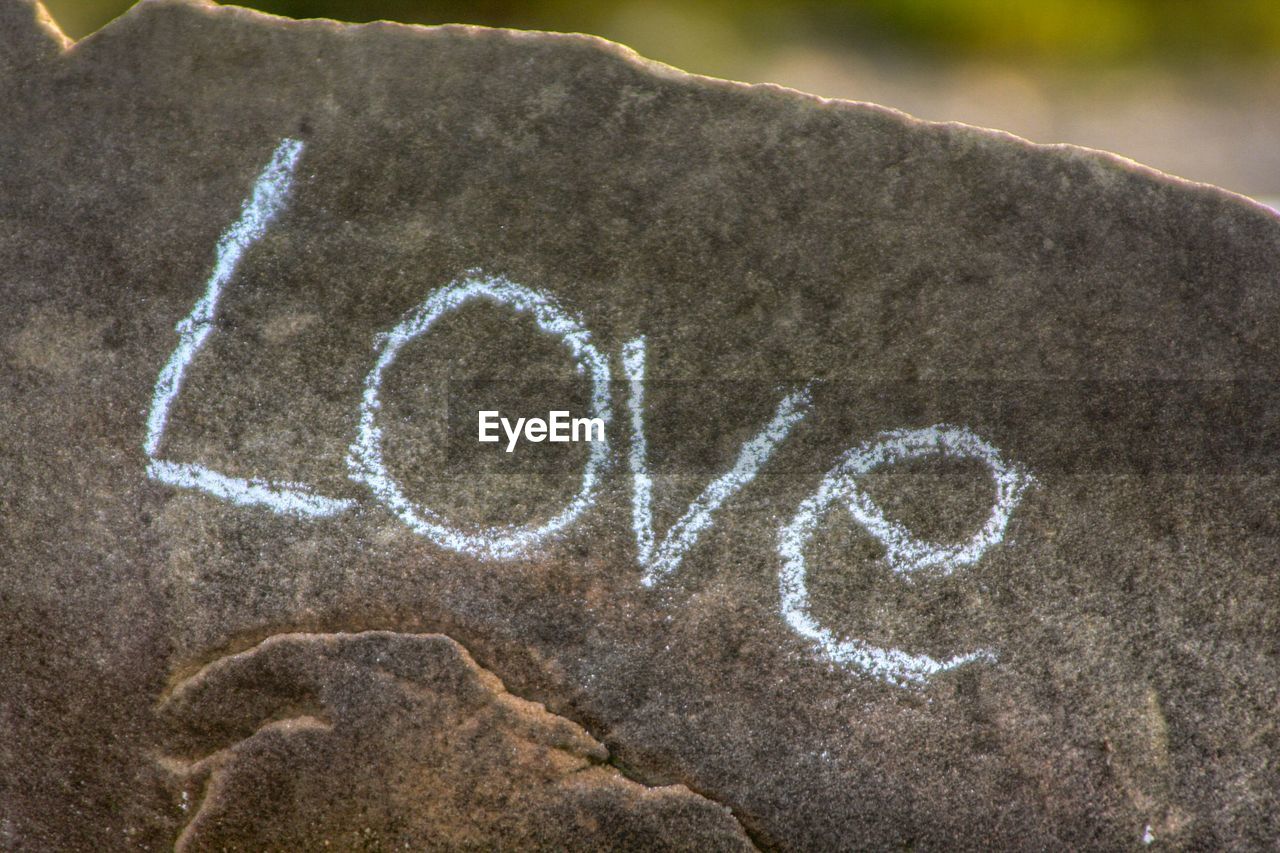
(662, 558)
(365, 458)
(659, 559)
(904, 553)
(269, 195)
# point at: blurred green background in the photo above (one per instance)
(1188, 86)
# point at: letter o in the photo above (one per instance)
(365, 456)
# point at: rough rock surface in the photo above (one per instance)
(387, 740)
(181, 662)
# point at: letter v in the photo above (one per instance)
(659, 559)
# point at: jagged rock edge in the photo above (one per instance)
(615, 50)
(196, 674)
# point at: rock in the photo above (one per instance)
(382, 740)
(937, 506)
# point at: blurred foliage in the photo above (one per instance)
(717, 36)
(1083, 29)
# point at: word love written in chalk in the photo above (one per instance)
(659, 557)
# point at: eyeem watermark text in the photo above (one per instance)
(557, 427)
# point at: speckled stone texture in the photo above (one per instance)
(179, 669)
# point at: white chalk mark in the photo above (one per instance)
(365, 456)
(904, 553)
(659, 559)
(284, 498)
(270, 192)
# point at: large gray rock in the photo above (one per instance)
(1000, 573)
